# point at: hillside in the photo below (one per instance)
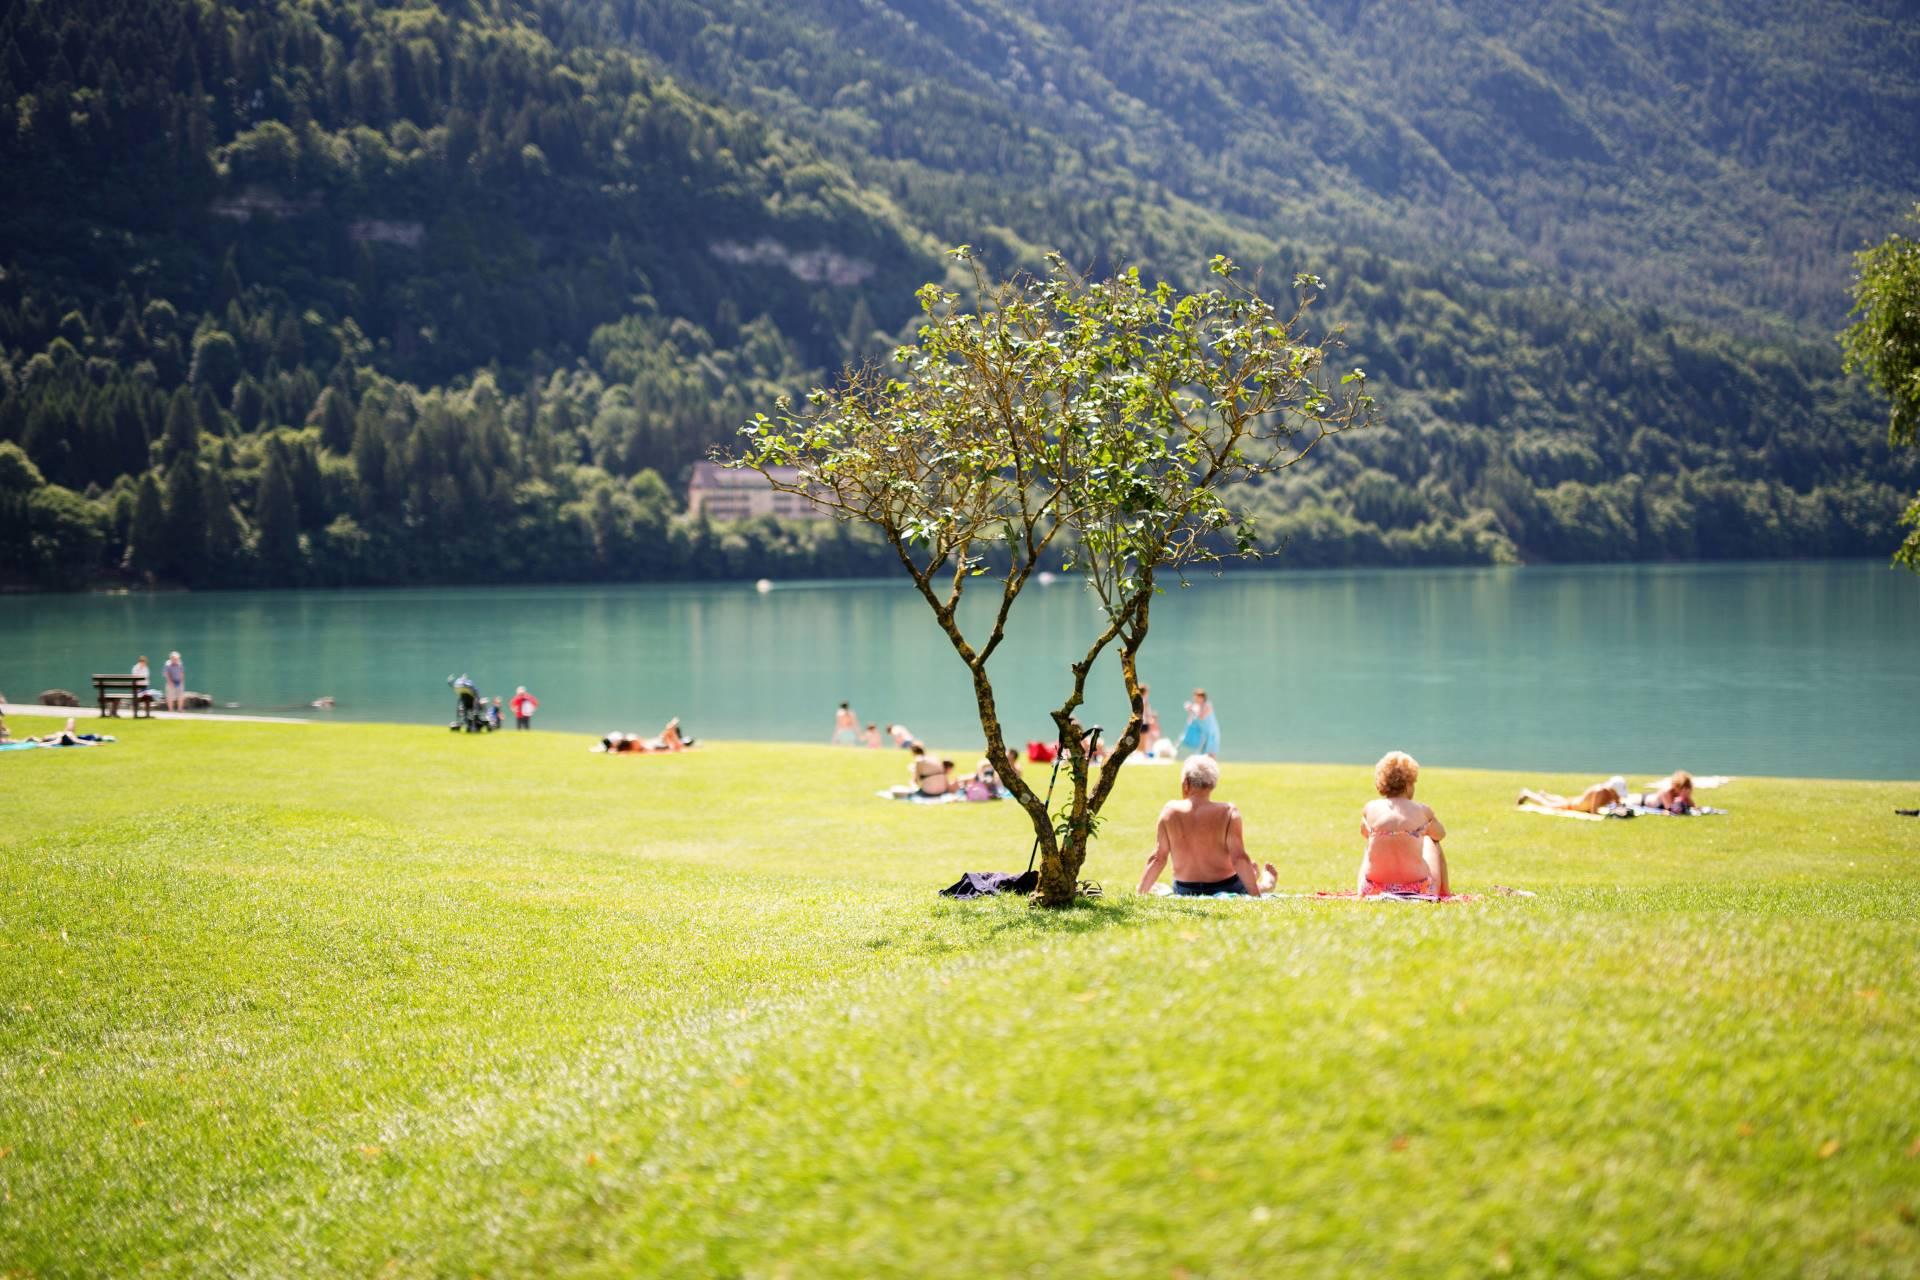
(1722, 156)
(325, 292)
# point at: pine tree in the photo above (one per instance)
(206, 407)
(371, 461)
(147, 537)
(182, 434)
(216, 361)
(249, 404)
(278, 521)
(333, 414)
(184, 552)
(226, 533)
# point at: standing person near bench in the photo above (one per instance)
(1205, 841)
(142, 674)
(176, 674)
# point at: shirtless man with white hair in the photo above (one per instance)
(1205, 840)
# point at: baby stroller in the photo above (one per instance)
(469, 715)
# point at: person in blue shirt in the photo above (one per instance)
(1202, 737)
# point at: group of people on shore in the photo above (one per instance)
(848, 733)
(472, 710)
(1204, 839)
(933, 778)
(1674, 794)
(1200, 737)
(174, 672)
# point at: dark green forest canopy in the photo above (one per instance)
(326, 292)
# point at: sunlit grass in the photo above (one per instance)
(283, 1000)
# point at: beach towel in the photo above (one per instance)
(1550, 812)
(1391, 895)
(85, 740)
(952, 797)
(1494, 891)
(1616, 811)
(1491, 891)
(1646, 811)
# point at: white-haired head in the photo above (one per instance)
(1202, 773)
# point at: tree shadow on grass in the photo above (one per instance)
(1017, 917)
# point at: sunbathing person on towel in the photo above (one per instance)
(1675, 795)
(1403, 836)
(1205, 840)
(928, 776)
(1595, 798)
(670, 739)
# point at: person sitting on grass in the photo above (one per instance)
(929, 777)
(1675, 795)
(1403, 836)
(983, 783)
(1205, 840)
(1599, 796)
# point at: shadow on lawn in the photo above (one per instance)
(1016, 917)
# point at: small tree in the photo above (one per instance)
(1106, 427)
(1883, 342)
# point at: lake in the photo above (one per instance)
(1799, 669)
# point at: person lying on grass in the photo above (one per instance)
(670, 739)
(1205, 840)
(1595, 798)
(1675, 795)
(1403, 836)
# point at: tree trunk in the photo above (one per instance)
(1060, 872)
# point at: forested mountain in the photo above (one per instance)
(1724, 156)
(339, 291)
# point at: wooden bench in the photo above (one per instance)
(114, 690)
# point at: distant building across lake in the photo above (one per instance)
(740, 495)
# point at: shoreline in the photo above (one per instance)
(92, 713)
(1270, 565)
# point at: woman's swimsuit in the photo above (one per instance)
(1422, 885)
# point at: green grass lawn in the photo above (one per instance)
(363, 1000)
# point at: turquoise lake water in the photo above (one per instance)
(1800, 669)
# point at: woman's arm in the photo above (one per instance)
(1435, 827)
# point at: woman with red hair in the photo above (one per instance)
(1403, 836)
